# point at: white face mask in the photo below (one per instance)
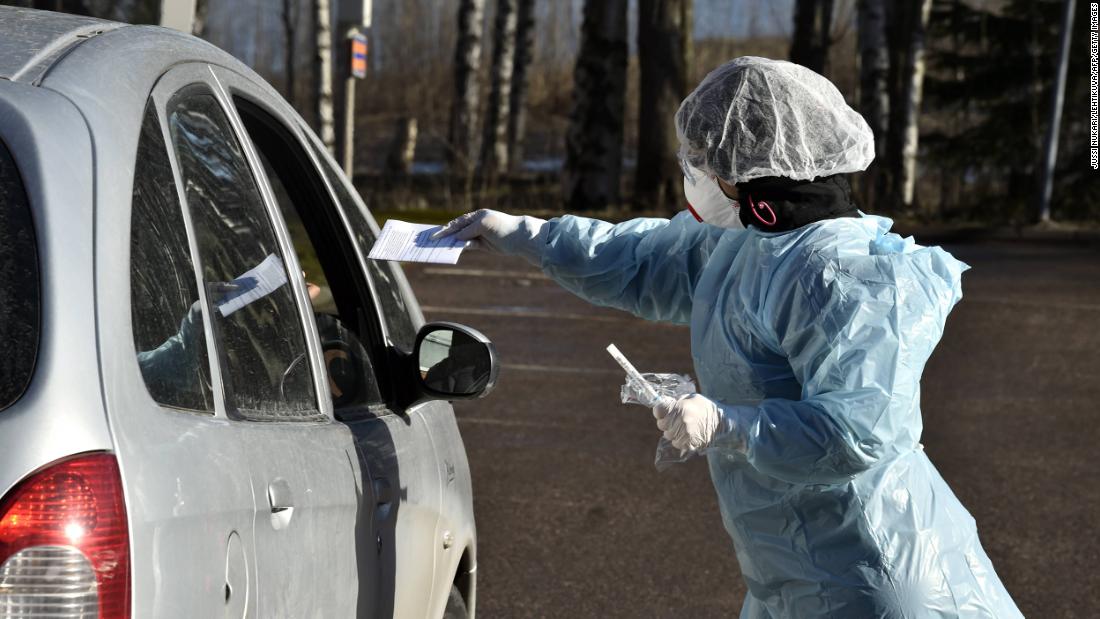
(709, 204)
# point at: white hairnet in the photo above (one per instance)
(754, 117)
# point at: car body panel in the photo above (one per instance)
(455, 529)
(62, 412)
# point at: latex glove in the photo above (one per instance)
(499, 232)
(689, 423)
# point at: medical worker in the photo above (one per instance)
(810, 327)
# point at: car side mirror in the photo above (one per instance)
(454, 362)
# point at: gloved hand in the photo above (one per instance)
(689, 423)
(499, 232)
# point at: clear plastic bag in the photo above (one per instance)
(673, 386)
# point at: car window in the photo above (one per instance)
(338, 292)
(19, 295)
(261, 341)
(399, 322)
(164, 298)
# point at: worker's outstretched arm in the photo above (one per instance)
(648, 267)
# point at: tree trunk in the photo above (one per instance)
(913, 88)
(594, 140)
(463, 136)
(126, 11)
(290, 21)
(494, 144)
(525, 47)
(322, 72)
(402, 149)
(1050, 151)
(663, 26)
(874, 73)
(811, 38)
(198, 27)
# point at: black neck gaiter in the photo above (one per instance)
(776, 204)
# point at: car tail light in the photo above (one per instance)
(64, 546)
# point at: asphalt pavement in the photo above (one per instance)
(574, 521)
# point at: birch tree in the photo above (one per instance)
(494, 144)
(664, 42)
(1050, 154)
(463, 126)
(524, 53)
(906, 165)
(322, 72)
(594, 140)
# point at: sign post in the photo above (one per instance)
(354, 17)
(358, 55)
(357, 70)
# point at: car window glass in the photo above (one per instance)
(19, 297)
(262, 351)
(164, 298)
(338, 294)
(399, 323)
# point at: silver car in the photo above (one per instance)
(212, 404)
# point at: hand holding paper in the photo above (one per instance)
(409, 242)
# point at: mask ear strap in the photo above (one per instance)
(757, 207)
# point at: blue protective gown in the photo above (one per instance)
(812, 343)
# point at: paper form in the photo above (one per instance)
(253, 285)
(408, 242)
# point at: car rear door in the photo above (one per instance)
(302, 464)
(395, 451)
(187, 481)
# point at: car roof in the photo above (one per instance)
(31, 41)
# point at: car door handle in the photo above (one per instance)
(279, 496)
(281, 501)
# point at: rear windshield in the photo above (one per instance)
(18, 284)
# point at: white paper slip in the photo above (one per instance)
(407, 242)
(253, 285)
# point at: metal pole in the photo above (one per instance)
(1050, 157)
(348, 70)
(349, 125)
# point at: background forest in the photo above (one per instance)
(552, 105)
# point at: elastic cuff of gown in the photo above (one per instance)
(529, 241)
(732, 429)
